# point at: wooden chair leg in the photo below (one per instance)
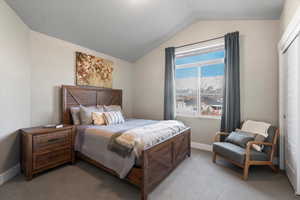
(246, 172)
(214, 157)
(144, 195)
(274, 168)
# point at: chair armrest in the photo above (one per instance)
(249, 145)
(218, 134)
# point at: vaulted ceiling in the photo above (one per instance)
(128, 29)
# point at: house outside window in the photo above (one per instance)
(199, 81)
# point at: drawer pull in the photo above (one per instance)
(48, 141)
(54, 139)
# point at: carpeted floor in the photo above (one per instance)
(196, 178)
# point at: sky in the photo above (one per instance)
(206, 71)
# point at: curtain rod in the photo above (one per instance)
(200, 42)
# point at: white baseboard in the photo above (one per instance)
(201, 146)
(9, 174)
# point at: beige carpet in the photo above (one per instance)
(196, 178)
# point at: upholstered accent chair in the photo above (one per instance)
(245, 157)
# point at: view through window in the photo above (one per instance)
(199, 82)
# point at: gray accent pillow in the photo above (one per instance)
(239, 138)
(86, 114)
(75, 110)
(257, 138)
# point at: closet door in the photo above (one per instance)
(291, 59)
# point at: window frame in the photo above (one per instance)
(196, 51)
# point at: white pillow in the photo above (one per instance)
(86, 114)
(75, 112)
(113, 117)
(112, 108)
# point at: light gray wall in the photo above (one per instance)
(259, 73)
(33, 66)
(53, 64)
(15, 84)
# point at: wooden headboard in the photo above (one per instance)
(87, 96)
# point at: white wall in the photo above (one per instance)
(259, 76)
(15, 84)
(53, 64)
(289, 9)
(33, 66)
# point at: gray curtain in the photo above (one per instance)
(231, 114)
(169, 97)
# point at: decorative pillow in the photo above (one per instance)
(75, 113)
(113, 117)
(86, 114)
(256, 127)
(98, 118)
(239, 138)
(257, 138)
(101, 108)
(112, 108)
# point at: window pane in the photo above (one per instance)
(212, 70)
(202, 57)
(187, 87)
(199, 86)
(211, 89)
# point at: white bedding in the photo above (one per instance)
(92, 141)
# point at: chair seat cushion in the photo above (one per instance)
(237, 153)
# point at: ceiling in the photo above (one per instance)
(128, 29)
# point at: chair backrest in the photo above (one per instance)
(273, 135)
(272, 138)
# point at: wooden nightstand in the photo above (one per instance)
(45, 148)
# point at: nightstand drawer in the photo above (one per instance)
(45, 148)
(50, 141)
(47, 159)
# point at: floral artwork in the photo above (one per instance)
(93, 71)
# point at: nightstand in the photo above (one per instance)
(45, 148)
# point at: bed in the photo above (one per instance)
(146, 171)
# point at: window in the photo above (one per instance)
(199, 81)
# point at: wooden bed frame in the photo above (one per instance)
(157, 162)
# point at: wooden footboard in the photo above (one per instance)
(160, 160)
(157, 162)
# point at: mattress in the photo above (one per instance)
(93, 140)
